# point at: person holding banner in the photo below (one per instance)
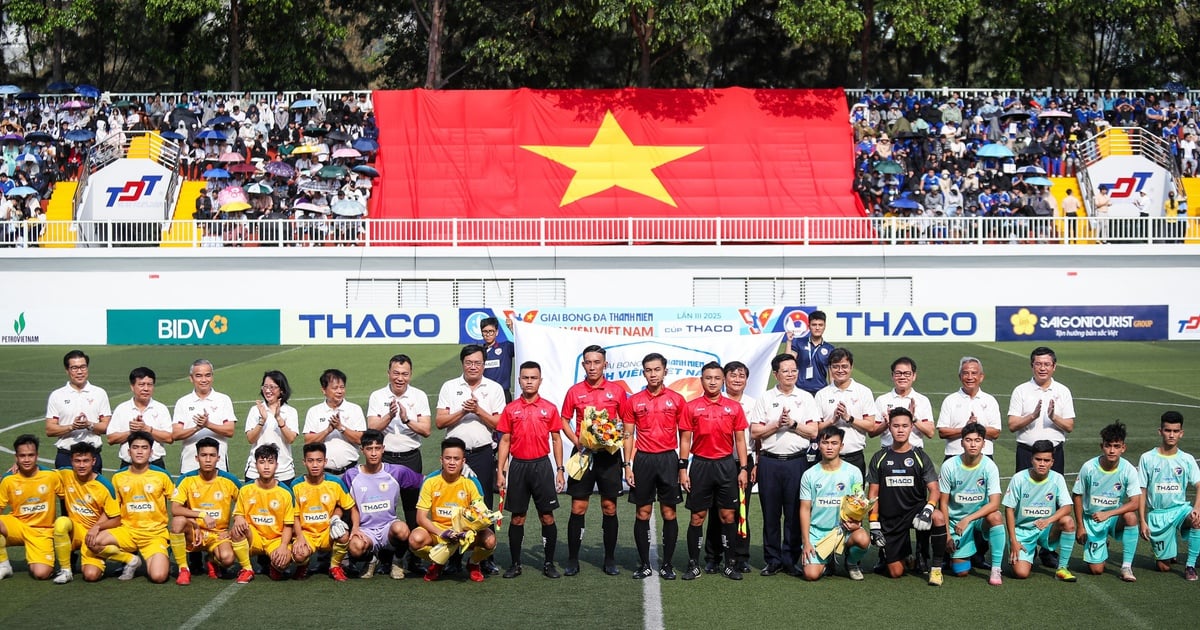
(652, 435)
(785, 419)
(603, 396)
(848, 404)
(713, 428)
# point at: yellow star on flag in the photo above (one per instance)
(613, 161)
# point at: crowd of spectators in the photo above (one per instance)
(916, 154)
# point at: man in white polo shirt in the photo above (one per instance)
(468, 408)
(969, 404)
(141, 413)
(203, 413)
(850, 405)
(1041, 409)
(337, 422)
(902, 394)
(401, 412)
(77, 411)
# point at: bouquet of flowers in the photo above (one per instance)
(853, 509)
(601, 433)
(464, 522)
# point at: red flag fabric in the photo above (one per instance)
(614, 153)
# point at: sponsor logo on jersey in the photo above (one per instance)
(969, 497)
(263, 519)
(1163, 487)
(375, 506)
(445, 512)
(213, 514)
(829, 502)
(1104, 502)
(1036, 511)
(139, 507)
(35, 508)
(83, 510)
(319, 517)
(899, 481)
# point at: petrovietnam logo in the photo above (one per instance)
(192, 328)
(18, 335)
(1023, 322)
(132, 191)
(19, 324)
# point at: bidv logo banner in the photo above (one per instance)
(641, 322)
(560, 353)
(844, 324)
(1091, 323)
(368, 327)
(1184, 322)
(223, 327)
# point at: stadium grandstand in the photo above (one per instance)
(86, 168)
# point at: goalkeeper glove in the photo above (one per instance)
(877, 538)
(338, 528)
(923, 521)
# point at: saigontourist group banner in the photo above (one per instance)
(560, 353)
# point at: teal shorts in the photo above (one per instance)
(1031, 538)
(1165, 526)
(964, 546)
(1095, 550)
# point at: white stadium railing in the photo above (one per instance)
(607, 231)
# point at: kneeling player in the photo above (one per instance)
(30, 492)
(1037, 510)
(265, 514)
(440, 494)
(821, 491)
(375, 488)
(321, 502)
(1099, 489)
(202, 508)
(970, 487)
(144, 492)
(1166, 472)
(905, 481)
(89, 500)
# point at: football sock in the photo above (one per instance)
(62, 542)
(641, 536)
(1129, 540)
(694, 544)
(610, 526)
(3, 548)
(549, 540)
(1066, 544)
(996, 542)
(480, 554)
(241, 551)
(728, 531)
(670, 538)
(574, 535)
(516, 536)
(1193, 538)
(937, 544)
(855, 554)
(179, 549)
(335, 560)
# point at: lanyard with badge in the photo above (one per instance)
(812, 360)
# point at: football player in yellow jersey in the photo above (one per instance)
(439, 493)
(144, 492)
(90, 500)
(321, 500)
(265, 513)
(30, 493)
(202, 509)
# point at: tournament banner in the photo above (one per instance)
(560, 353)
(859, 323)
(1079, 323)
(644, 322)
(1184, 322)
(74, 325)
(368, 327)
(214, 327)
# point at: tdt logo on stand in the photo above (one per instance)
(1125, 186)
(132, 191)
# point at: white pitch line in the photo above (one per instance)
(652, 610)
(211, 607)
(1113, 604)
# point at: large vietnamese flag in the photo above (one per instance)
(614, 153)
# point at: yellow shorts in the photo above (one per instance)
(79, 542)
(136, 541)
(38, 541)
(260, 546)
(318, 541)
(211, 541)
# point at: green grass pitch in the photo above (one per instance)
(1133, 382)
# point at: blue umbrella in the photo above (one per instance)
(210, 134)
(171, 135)
(28, 96)
(9, 89)
(365, 145)
(39, 136)
(905, 203)
(363, 169)
(21, 191)
(80, 135)
(1031, 170)
(220, 120)
(60, 86)
(305, 102)
(1039, 181)
(994, 150)
(215, 173)
(28, 157)
(89, 91)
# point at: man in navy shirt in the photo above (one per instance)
(812, 354)
(497, 356)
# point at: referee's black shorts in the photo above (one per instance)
(713, 480)
(897, 541)
(656, 478)
(531, 478)
(605, 473)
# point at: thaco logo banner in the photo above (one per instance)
(1092, 323)
(368, 327)
(210, 327)
(846, 324)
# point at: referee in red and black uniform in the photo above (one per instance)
(713, 428)
(524, 424)
(652, 415)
